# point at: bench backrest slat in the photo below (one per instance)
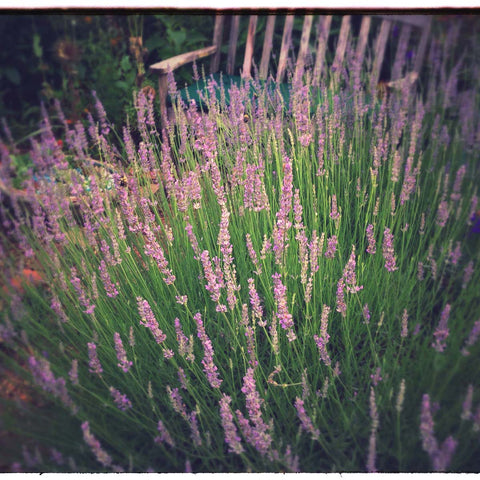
(323, 32)
(286, 42)
(362, 41)
(401, 51)
(247, 61)
(379, 52)
(341, 45)
(304, 43)
(217, 41)
(232, 44)
(267, 46)
(422, 48)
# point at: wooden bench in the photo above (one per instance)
(408, 33)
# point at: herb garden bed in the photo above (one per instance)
(255, 290)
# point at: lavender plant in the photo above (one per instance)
(256, 288)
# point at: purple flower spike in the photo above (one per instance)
(149, 321)
(121, 400)
(331, 247)
(209, 367)
(322, 339)
(371, 240)
(305, 420)
(388, 252)
(441, 332)
(100, 454)
(231, 437)
(439, 456)
(94, 362)
(285, 318)
(164, 436)
(123, 361)
(110, 287)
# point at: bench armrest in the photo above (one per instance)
(173, 63)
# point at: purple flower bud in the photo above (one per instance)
(331, 247)
(305, 420)
(388, 252)
(95, 446)
(209, 367)
(371, 240)
(149, 321)
(285, 318)
(165, 436)
(123, 361)
(94, 362)
(121, 400)
(441, 332)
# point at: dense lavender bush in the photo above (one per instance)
(256, 288)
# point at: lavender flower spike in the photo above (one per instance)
(472, 338)
(388, 252)
(334, 214)
(371, 240)
(441, 332)
(45, 378)
(257, 434)
(305, 420)
(95, 446)
(442, 456)
(164, 436)
(123, 361)
(209, 367)
(285, 318)
(322, 339)
(121, 400)
(349, 274)
(110, 287)
(148, 320)
(231, 437)
(94, 362)
(331, 247)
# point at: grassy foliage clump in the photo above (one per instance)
(259, 287)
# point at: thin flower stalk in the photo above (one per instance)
(100, 454)
(372, 446)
